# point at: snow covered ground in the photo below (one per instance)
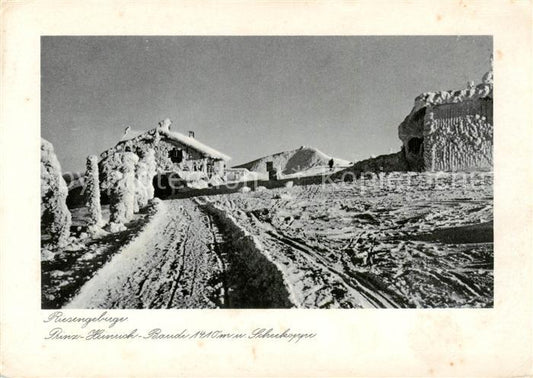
(407, 240)
(64, 274)
(402, 240)
(180, 260)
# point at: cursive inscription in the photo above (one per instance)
(60, 317)
(102, 327)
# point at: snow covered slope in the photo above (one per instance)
(303, 159)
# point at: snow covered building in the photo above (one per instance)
(450, 130)
(174, 152)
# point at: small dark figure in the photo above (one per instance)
(330, 163)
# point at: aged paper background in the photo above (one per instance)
(490, 342)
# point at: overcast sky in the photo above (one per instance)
(246, 96)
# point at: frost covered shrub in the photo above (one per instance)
(144, 174)
(126, 186)
(119, 172)
(141, 192)
(111, 163)
(111, 175)
(92, 193)
(151, 170)
(55, 216)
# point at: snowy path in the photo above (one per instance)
(172, 264)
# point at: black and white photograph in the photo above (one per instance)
(311, 172)
(266, 188)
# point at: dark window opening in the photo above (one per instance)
(176, 155)
(415, 145)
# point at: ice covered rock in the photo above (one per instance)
(95, 231)
(55, 216)
(74, 245)
(289, 184)
(115, 227)
(47, 255)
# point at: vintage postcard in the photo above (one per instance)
(266, 189)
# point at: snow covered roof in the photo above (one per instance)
(178, 137)
(472, 92)
(194, 143)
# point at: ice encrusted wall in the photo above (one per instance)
(450, 130)
(458, 137)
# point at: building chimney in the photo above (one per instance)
(191, 134)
